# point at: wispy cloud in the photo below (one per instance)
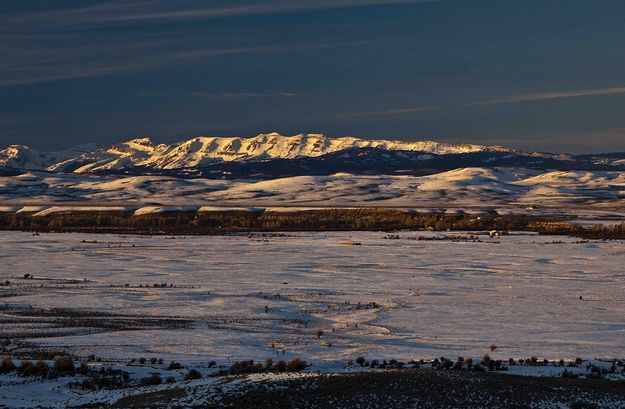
(116, 37)
(552, 95)
(196, 10)
(132, 11)
(542, 96)
(144, 10)
(83, 62)
(387, 112)
(221, 95)
(238, 95)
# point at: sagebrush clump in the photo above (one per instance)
(250, 366)
(6, 365)
(64, 364)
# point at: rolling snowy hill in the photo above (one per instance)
(460, 188)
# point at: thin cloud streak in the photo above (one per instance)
(388, 112)
(552, 95)
(260, 9)
(51, 45)
(156, 10)
(239, 95)
(63, 70)
(224, 94)
(512, 99)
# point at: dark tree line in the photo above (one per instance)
(217, 222)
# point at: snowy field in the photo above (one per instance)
(242, 297)
(324, 297)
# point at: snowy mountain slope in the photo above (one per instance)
(271, 156)
(459, 188)
(24, 157)
(376, 161)
(116, 157)
(197, 152)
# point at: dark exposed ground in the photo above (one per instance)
(412, 388)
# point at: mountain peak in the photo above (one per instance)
(145, 141)
(223, 155)
(24, 157)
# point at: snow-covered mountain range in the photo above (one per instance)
(270, 156)
(202, 151)
(308, 170)
(205, 151)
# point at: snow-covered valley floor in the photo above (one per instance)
(327, 298)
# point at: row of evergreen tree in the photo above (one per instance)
(217, 222)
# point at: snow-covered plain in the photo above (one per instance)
(257, 296)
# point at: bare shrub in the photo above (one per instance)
(192, 374)
(459, 363)
(64, 364)
(250, 366)
(568, 374)
(281, 366)
(84, 368)
(295, 365)
(41, 367)
(154, 379)
(6, 365)
(26, 368)
(173, 365)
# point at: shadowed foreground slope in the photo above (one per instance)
(407, 389)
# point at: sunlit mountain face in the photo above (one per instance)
(273, 155)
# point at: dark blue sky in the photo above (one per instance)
(542, 74)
